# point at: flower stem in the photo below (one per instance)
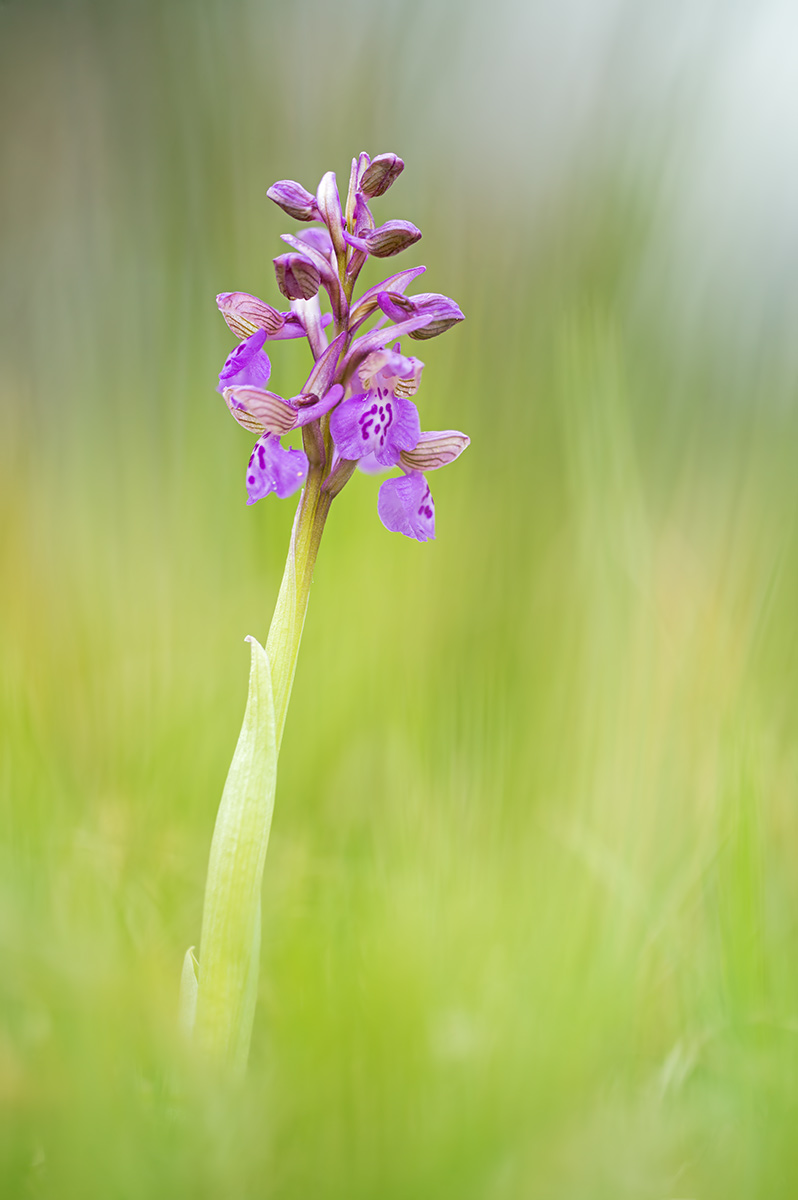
(220, 1008)
(285, 633)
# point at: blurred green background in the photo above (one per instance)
(531, 899)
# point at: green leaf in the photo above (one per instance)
(230, 943)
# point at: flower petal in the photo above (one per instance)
(375, 423)
(297, 278)
(405, 505)
(436, 448)
(390, 369)
(273, 469)
(260, 411)
(246, 314)
(391, 238)
(248, 364)
(294, 200)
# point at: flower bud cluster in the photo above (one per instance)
(355, 407)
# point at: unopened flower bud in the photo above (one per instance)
(391, 238)
(294, 200)
(442, 312)
(297, 278)
(247, 314)
(380, 174)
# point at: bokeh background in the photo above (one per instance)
(531, 899)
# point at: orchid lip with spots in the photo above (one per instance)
(356, 408)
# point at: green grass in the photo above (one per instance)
(530, 900)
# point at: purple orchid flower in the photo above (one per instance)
(271, 467)
(247, 314)
(380, 421)
(355, 408)
(405, 504)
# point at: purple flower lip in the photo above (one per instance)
(386, 240)
(297, 278)
(247, 365)
(378, 176)
(378, 423)
(271, 468)
(294, 200)
(405, 505)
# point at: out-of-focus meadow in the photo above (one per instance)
(531, 899)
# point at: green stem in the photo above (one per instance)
(218, 1006)
(285, 632)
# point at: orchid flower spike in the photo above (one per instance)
(355, 409)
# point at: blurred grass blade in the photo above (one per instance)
(187, 1008)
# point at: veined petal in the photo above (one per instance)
(391, 238)
(273, 469)
(375, 423)
(441, 312)
(328, 275)
(297, 278)
(405, 505)
(319, 260)
(248, 364)
(293, 199)
(294, 327)
(260, 411)
(380, 174)
(392, 370)
(436, 448)
(246, 314)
